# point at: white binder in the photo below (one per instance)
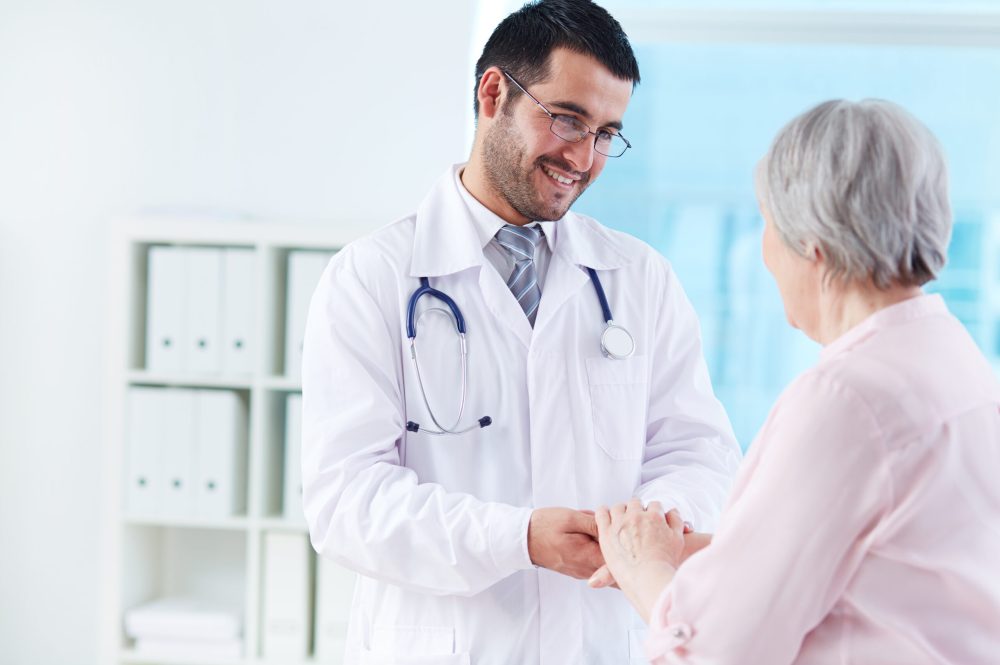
(178, 442)
(221, 440)
(292, 505)
(238, 287)
(285, 623)
(165, 309)
(304, 271)
(144, 481)
(203, 295)
(334, 597)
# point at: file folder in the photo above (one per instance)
(221, 454)
(304, 270)
(143, 477)
(238, 287)
(292, 504)
(203, 296)
(334, 598)
(178, 445)
(165, 309)
(285, 624)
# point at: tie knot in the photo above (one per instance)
(520, 240)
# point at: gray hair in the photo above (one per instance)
(865, 182)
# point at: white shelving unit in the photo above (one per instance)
(149, 557)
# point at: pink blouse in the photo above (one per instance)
(864, 526)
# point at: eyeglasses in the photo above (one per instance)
(572, 130)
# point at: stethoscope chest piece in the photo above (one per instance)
(616, 342)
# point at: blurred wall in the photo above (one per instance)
(306, 110)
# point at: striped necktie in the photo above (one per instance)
(520, 241)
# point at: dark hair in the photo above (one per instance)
(523, 42)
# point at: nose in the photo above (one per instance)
(580, 155)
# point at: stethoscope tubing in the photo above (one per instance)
(411, 333)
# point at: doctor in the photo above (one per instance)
(476, 373)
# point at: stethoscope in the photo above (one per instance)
(616, 343)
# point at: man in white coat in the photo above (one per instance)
(471, 545)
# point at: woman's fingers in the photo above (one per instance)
(601, 578)
(603, 518)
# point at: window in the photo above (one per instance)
(719, 79)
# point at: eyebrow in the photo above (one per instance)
(579, 110)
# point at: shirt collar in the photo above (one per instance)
(452, 228)
(488, 223)
(902, 312)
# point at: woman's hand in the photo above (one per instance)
(693, 542)
(641, 549)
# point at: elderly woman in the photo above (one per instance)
(864, 526)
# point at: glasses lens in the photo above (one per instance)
(611, 145)
(569, 128)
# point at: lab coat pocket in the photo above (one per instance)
(412, 645)
(618, 403)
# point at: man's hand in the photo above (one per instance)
(564, 540)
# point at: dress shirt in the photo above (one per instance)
(864, 526)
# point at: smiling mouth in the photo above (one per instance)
(561, 179)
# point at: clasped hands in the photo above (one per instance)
(612, 546)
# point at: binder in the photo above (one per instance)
(203, 296)
(143, 477)
(189, 650)
(304, 270)
(292, 504)
(165, 309)
(221, 443)
(286, 602)
(178, 445)
(185, 617)
(334, 598)
(238, 287)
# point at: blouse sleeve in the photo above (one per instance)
(789, 542)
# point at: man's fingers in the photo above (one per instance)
(655, 507)
(674, 521)
(585, 523)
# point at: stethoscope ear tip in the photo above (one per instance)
(412, 426)
(485, 421)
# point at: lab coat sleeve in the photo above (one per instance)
(364, 509)
(691, 454)
(790, 542)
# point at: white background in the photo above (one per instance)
(304, 111)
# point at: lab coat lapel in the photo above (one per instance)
(562, 281)
(581, 243)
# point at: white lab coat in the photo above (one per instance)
(436, 526)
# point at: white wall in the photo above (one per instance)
(305, 110)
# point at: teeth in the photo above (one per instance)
(556, 176)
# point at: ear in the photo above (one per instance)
(814, 253)
(492, 89)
